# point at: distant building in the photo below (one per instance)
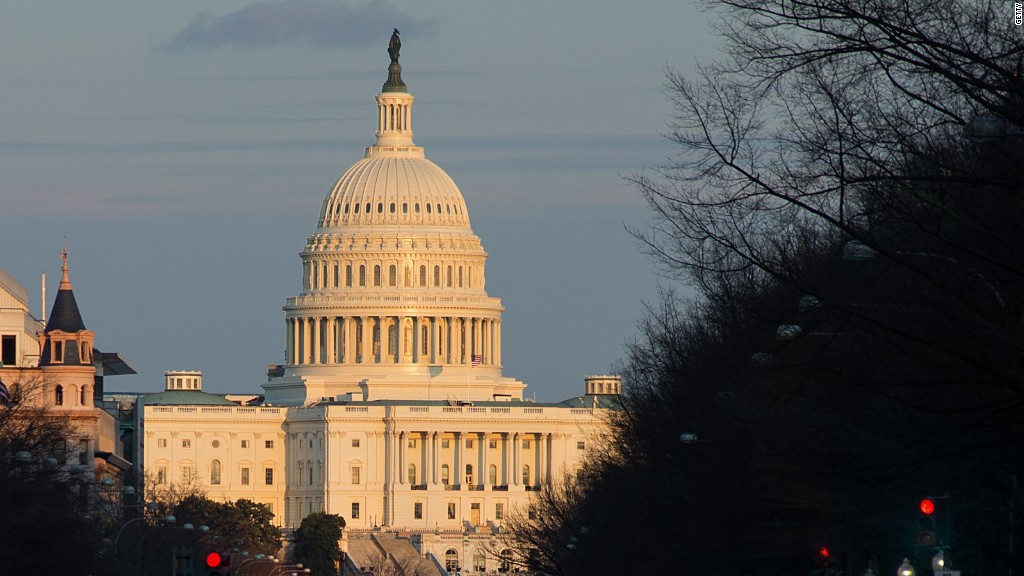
(55, 365)
(390, 407)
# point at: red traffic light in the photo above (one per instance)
(927, 507)
(823, 552)
(212, 560)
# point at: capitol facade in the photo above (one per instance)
(390, 407)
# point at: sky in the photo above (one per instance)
(184, 148)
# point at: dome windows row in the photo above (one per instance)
(395, 210)
(363, 276)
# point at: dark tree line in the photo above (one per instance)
(43, 504)
(847, 204)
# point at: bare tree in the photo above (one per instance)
(44, 499)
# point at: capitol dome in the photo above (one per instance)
(390, 187)
(393, 302)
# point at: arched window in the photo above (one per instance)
(526, 475)
(335, 275)
(348, 275)
(59, 396)
(505, 563)
(460, 276)
(412, 474)
(408, 275)
(437, 274)
(425, 339)
(492, 475)
(215, 472)
(309, 466)
(451, 560)
(316, 277)
(449, 276)
(362, 275)
(324, 279)
(423, 275)
(469, 474)
(376, 275)
(479, 561)
(392, 275)
(81, 396)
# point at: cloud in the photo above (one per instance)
(321, 23)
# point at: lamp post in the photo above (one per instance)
(167, 520)
(292, 569)
(255, 560)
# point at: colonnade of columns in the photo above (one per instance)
(372, 339)
(394, 115)
(469, 467)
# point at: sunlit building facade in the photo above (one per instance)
(390, 407)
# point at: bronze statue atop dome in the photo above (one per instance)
(394, 46)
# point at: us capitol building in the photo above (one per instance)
(390, 409)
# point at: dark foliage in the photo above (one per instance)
(848, 205)
(316, 544)
(42, 502)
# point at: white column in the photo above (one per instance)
(517, 458)
(332, 340)
(400, 337)
(509, 464)
(458, 474)
(289, 345)
(315, 357)
(544, 454)
(401, 457)
(498, 340)
(342, 339)
(367, 328)
(485, 473)
(436, 463)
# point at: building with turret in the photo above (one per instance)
(53, 364)
(390, 406)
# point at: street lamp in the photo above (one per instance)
(294, 568)
(256, 559)
(905, 569)
(167, 520)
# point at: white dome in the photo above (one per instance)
(394, 185)
(393, 301)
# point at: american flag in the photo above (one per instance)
(5, 395)
(477, 359)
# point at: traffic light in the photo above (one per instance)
(926, 535)
(183, 561)
(218, 564)
(821, 563)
